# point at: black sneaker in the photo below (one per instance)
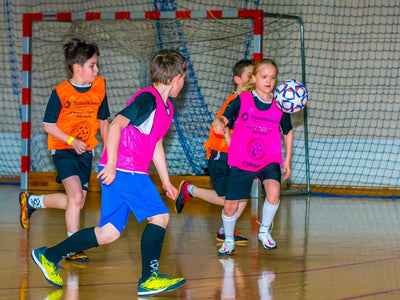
(239, 240)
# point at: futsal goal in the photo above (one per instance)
(211, 41)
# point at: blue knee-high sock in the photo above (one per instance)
(79, 241)
(151, 245)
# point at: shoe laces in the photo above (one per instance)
(228, 244)
(53, 267)
(269, 229)
(158, 275)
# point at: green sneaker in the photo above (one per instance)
(48, 268)
(159, 283)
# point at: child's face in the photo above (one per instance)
(241, 81)
(87, 73)
(178, 85)
(265, 79)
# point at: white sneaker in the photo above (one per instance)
(227, 248)
(266, 239)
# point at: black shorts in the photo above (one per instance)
(218, 170)
(69, 163)
(238, 185)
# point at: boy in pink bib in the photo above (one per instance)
(134, 140)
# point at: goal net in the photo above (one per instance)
(212, 45)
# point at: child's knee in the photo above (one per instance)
(77, 201)
(107, 234)
(160, 220)
(230, 207)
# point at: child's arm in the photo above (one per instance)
(107, 175)
(219, 125)
(287, 165)
(55, 131)
(104, 126)
(227, 137)
(161, 165)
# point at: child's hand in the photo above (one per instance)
(79, 146)
(219, 127)
(172, 192)
(107, 175)
(287, 169)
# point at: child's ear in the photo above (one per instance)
(76, 68)
(176, 78)
(237, 80)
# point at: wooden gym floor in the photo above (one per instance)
(328, 248)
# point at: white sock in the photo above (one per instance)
(229, 226)
(36, 201)
(268, 214)
(190, 188)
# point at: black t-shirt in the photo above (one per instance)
(140, 109)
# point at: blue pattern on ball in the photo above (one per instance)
(291, 96)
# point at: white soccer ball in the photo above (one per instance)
(291, 96)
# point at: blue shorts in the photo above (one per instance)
(218, 170)
(69, 163)
(129, 192)
(239, 181)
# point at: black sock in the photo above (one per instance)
(151, 245)
(79, 241)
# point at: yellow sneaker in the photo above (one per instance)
(159, 283)
(26, 209)
(55, 295)
(79, 257)
(48, 268)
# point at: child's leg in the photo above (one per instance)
(151, 282)
(229, 222)
(82, 240)
(151, 244)
(270, 207)
(57, 200)
(271, 204)
(76, 200)
(208, 195)
(30, 203)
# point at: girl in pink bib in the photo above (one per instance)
(255, 150)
